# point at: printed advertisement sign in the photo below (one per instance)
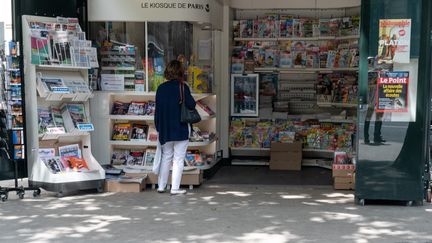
(392, 92)
(394, 41)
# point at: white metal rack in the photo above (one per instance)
(40, 175)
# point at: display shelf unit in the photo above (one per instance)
(39, 173)
(104, 122)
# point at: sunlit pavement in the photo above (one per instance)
(212, 214)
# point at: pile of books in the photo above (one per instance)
(287, 26)
(61, 43)
(64, 159)
(136, 108)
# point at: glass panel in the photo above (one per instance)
(185, 42)
(190, 43)
(389, 158)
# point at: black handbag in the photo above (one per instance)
(189, 116)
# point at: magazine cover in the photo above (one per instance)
(298, 28)
(77, 86)
(271, 57)
(271, 28)
(356, 25)
(324, 26)
(45, 119)
(139, 132)
(75, 164)
(73, 114)
(286, 26)
(46, 152)
(40, 50)
(334, 26)
(236, 29)
(120, 108)
(331, 56)
(307, 27)
(312, 56)
(237, 65)
(299, 58)
(285, 60)
(55, 85)
(246, 28)
(149, 157)
(57, 117)
(54, 164)
(394, 41)
(152, 134)
(346, 27)
(120, 156)
(14, 76)
(72, 150)
(150, 108)
(136, 158)
(259, 57)
(60, 48)
(205, 107)
(121, 131)
(136, 108)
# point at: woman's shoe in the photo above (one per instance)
(178, 192)
(161, 190)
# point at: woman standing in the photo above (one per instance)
(173, 135)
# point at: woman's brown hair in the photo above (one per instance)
(174, 71)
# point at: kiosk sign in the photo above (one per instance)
(392, 92)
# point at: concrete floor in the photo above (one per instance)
(213, 214)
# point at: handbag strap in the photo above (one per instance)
(181, 92)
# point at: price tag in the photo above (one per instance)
(85, 127)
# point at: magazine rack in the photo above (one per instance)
(40, 175)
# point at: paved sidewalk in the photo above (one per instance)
(213, 214)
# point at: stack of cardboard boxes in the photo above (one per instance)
(286, 156)
(344, 176)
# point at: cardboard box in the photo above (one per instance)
(341, 170)
(343, 186)
(342, 180)
(194, 178)
(117, 186)
(286, 147)
(286, 156)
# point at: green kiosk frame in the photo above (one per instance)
(394, 103)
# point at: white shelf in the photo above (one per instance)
(131, 118)
(119, 69)
(152, 94)
(147, 118)
(154, 144)
(338, 105)
(59, 67)
(47, 136)
(317, 38)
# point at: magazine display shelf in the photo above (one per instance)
(39, 173)
(300, 38)
(104, 122)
